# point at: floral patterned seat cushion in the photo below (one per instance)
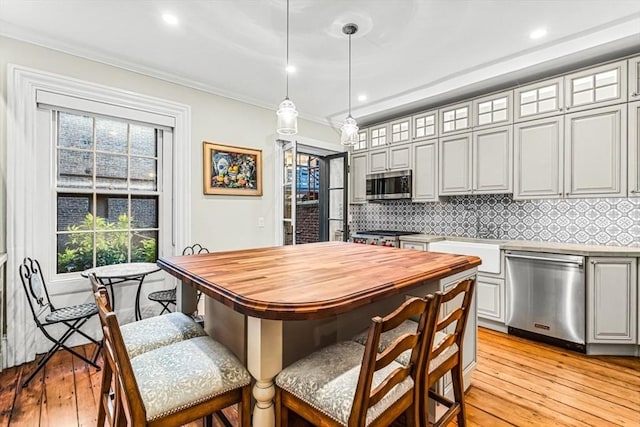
(155, 332)
(183, 374)
(327, 381)
(407, 327)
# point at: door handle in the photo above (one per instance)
(539, 258)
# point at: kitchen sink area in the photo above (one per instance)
(489, 253)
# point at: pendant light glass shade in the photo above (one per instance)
(287, 118)
(349, 134)
(287, 113)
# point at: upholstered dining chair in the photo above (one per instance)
(347, 384)
(443, 352)
(167, 297)
(171, 385)
(47, 316)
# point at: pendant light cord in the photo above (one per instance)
(287, 69)
(349, 75)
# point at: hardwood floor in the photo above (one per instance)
(516, 383)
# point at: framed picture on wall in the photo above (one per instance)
(235, 171)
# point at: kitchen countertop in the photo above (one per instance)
(525, 245)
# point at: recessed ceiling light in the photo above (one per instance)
(170, 19)
(538, 33)
(362, 97)
(290, 69)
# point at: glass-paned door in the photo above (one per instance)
(334, 198)
(289, 196)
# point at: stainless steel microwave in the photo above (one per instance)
(389, 185)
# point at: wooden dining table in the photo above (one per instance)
(276, 290)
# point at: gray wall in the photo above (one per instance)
(614, 222)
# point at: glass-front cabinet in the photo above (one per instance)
(493, 110)
(455, 119)
(400, 130)
(596, 87)
(378, 135)
(362, 141)
(538, 100)
(425, 125)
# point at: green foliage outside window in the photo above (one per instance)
(111, 245)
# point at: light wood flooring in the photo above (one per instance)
(516, 383)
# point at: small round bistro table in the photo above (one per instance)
(114, 274)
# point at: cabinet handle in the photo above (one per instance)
(560, 109)
(633, 191)
(634, 94)
(568, 108)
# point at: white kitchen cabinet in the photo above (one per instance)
(363, 140)
(538, 158)
(378, 135)
(491, 298)
(491, 160)
(358, 177)
(476, 163)
(455, 119)
(596, 152)
(425, 125)
(634, 78)
(419, 246)
(493, 110)
(634, 148)
(538, 100)
(425, 171)
(612, 300)
(454, 164)
(596, 87)
(395, 157)
(400, 131)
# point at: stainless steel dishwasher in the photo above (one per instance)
(546, 297)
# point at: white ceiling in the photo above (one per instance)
(407, 54)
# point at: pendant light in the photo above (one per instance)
(349, 134)
(287, 114)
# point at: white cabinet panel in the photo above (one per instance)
(634, 79)
(537, 100)
(492, 160)
(490, 294)
(378, 160)
(611, 300)
(538, 165)
(425, 171)
(455, 165)
(395, 157)
(358, 178)
(596, 87)
(419, 246)
(634, 149)
(596, 152)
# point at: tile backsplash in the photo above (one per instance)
(614, 222)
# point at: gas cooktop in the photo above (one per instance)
(386, 232)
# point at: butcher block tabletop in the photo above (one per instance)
(313, 280)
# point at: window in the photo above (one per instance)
(107, 194)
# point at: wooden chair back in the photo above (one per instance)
(460, 315)
(366, 397)
(127, 408)
(195, 249)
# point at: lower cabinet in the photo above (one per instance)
(420, 246)
(612, 300)
(490, 295)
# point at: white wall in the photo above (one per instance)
(218, 222)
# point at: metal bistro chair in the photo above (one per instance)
(167, 297)
(45, 314)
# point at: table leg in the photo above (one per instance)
(138, 313)
(264, 360)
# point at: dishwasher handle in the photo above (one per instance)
(578, 262)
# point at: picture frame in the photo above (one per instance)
(229, 170)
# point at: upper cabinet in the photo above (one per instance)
(634, 79)
(425, 171)
(634, 149)
(596, 87)
(378, 135)
(493, 110)
(425, 125)
(538, 100)
(363, 140)
(358, 175)
(400, 131)
(492, 153)
(455, 119)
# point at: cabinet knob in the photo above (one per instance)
(634, 94)
(568, 108)
(560, 109)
